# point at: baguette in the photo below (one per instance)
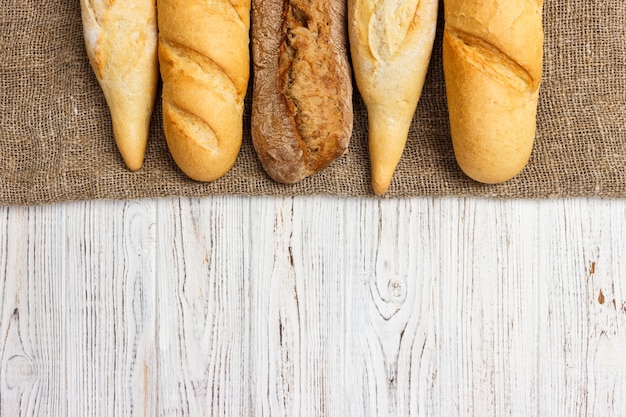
(121, 43)
(205, 66)
(492, 60)
(302, 98)
(391, 44)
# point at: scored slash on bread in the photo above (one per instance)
(391, 44)
(492, 61)
(121, 43)
(205, 67)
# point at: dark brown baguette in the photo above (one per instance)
(302, 99)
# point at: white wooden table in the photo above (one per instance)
(237, 306)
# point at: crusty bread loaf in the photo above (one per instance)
(121, 43)
(391, 44)
(302, 98)
(205, 66)
(492, 57)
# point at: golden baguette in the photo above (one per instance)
(121, 43)
(204, 61)
(492, 58)
(391, 44)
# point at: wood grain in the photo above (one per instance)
(313, 307)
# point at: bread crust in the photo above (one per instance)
(391, 44)
(121, 43)
(492, 59)
(205, 66)
(302, 98)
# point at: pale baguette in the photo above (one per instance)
(391, 44)
(121, 43)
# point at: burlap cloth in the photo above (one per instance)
(56, 140)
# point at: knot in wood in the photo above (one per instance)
(19, 371)
(397, 291)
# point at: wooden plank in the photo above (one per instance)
(33, 348)
(298, 331)
(583, 241)
(605, 254)
(110, 308)
(392, 368)
(488, 323)
(204, 307)
(20, 376)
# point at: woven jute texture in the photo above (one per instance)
(56, 140)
